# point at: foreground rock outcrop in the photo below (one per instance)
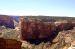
(9, 44)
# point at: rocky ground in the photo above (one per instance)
(64, 40)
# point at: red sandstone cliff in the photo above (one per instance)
(6, 21)
(32, 28)
(9, 44)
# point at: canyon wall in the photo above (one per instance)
(37, 30)
(6, 21)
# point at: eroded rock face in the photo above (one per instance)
(6, 21)
(63, 41)
(9, 44)
(35, 30)
(64, 25)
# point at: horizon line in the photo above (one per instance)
(35, 15)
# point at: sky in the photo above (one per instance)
(38, 7)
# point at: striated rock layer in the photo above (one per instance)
(36, 30)
(6, 21)
(9, 44)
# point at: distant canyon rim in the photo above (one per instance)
(38, 29)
